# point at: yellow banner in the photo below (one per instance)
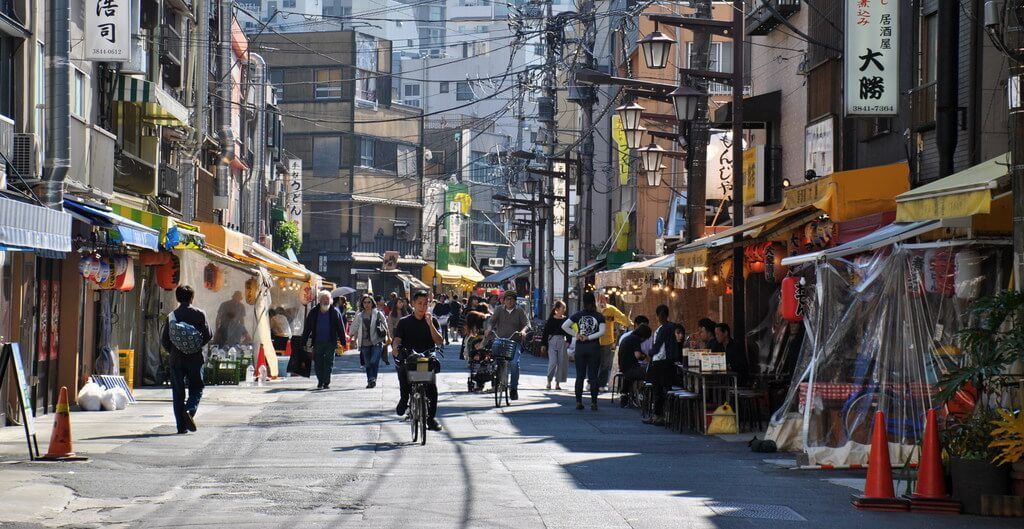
(619, 136)
(621, 231)
(749, 176)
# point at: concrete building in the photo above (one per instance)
(361, 154)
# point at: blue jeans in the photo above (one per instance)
(371, 359)
(513, 371)
(182, 377)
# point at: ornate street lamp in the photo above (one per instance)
(630, 115)
(530, 185)
(656, 47)
(650, 156)
(635, 137)
(507, 213)
(517, 234)
(654, 177)
(513, 235)
(685, 100)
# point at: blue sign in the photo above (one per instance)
(660, 227)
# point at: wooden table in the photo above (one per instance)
(698, 382)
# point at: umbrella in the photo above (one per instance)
(342, 291)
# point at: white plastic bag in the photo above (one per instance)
(89, 397)
(107, 400)
(120, 398)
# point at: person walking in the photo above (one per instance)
(511, 322)
(443, 312)
(323, 331)
(591, 327)
(612, 317)
(555, 344)
(455, 317)
(184, 336)
(369, 333)
(398, 311)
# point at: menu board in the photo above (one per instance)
(712, 362)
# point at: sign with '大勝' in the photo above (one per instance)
(108, 30)
(871, 57)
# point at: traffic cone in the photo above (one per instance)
(261, 360)
(930, 493)
(60, 439)
(288, 348)
(878, 491)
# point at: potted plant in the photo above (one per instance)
(990, 345)
(1009, 440)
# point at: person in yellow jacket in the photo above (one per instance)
(612, 317)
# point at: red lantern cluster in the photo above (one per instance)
(109, 273)
(794, 299)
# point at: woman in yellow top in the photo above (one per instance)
(612, 316)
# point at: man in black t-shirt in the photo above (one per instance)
(630, 354)
(417, 333)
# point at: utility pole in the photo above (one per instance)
(739, 331)
(697, 148)
(585, 181)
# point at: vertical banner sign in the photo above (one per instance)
(818, 141)
(753, 175)
(619, 135)
(872, 57)
(455, 227)
(293, 195)
(108, 30)
(558, 216)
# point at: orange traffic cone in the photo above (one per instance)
(878, 491)
(60, 440)
(930, 493)
(261, 360)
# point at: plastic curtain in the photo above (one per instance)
(879, 334)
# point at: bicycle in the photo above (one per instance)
(421, 370)
(502, 350)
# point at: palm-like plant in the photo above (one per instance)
(996, 341)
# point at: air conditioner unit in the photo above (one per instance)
(496, 262)
(25, 157)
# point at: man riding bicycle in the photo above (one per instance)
(416, 333)
(510, 321)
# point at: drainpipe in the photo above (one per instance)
(254, 189)
(946, 89)
(226, 135)
(55, 167)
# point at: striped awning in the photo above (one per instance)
(174, 234)
(25, 226)
(159, 107)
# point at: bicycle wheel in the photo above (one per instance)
(413, 419)
(423, 419)
(505, 385)
(498, 384)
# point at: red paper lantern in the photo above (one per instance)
(252, 290)
(148, 258)
(793, 299)
(126, 281)
(168, 276)
(213, 277)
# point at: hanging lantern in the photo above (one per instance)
(148, 258)
(307, 295)
(125, 281)
(630, 115)
(654, 177)
(252, 290)
(793, 299)
(213, 277)
(656, 47)
(168, 276)
(773, 256)
(506, 214)
(105, 271)
(530, 185)
(686, 100)
(650, 156)
(635, 137)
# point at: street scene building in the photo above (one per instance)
(636, 264)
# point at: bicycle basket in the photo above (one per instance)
(504, 348)
(422, 371)
(422, 376)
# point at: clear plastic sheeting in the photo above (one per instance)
(880, 333)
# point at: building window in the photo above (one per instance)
(929, 48)
(326, 156)
(277, 82)
(435, 13)
(406, 159)
(365, 152)
(328, 84)
(78, 107)
(442, 87)
(366, 85)
(412, 90)
(463, 92)
(288, 3)
(479, 168)
(271, 7)
(719, 60)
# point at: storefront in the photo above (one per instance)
(455, 280)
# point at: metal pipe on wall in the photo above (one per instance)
(225, 133)
(57, 162)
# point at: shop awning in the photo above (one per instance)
(276, 264)
(159, 106)
(174, 234)
(662, 262)
(505, 275)
(962, 194)
(753, 227)
(226, 240)
(579, 272)
(412, 282)
(123, 230)
(25, 226)
(459, 274)
(848, 195)
(689, 260)
(365, 257)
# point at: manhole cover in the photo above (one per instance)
(755, 510)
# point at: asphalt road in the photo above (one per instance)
(336, 458)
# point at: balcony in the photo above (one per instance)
(762, 21)
(922, 107)
(378, 245)
(172, 55)
(170, 181)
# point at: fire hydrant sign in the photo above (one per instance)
(872, 70)
(108, 30)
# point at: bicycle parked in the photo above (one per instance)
(421, 370)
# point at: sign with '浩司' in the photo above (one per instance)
(108, 30)
(871, 57)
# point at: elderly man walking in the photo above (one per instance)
(323, 331)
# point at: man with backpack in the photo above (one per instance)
(184, 336)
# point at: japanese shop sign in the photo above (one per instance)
(293, 195)
(108, 31)
(872, 57)
(558, 205)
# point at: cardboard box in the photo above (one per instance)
(712, 362)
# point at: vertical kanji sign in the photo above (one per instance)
(108, 30)
(293, 195)
(872, 68)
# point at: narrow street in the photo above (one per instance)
(285, 456)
